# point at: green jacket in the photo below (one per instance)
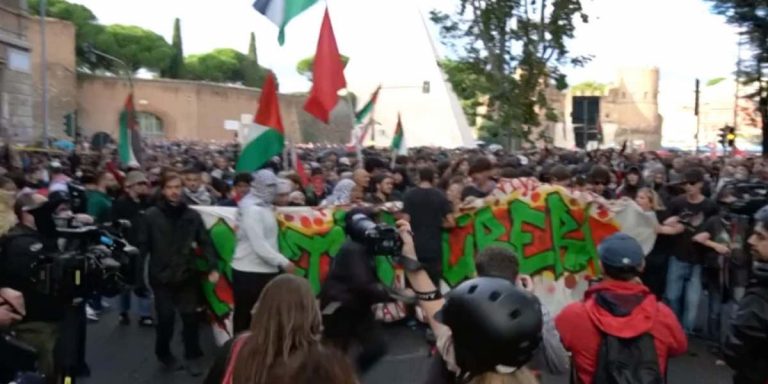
(99, 206)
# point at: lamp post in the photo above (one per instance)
(135, 137)
(44, 71)
(90, 50)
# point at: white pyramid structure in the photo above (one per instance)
(403, 62)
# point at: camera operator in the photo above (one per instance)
(22, 247)
(348, 293)
(172, 236)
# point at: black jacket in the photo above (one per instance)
(352, 280)
(175, 238)
(22, 247)
(747, 339)
(125, 208)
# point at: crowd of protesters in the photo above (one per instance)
(701, 248)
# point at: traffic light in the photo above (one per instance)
(70, 124)
(731, 136)
(724, 136)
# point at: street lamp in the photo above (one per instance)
(92, 52)
(44, 70)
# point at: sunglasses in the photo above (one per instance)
(600, 183)
(691, 183)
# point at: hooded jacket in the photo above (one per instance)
(257, 249)
(747, 338)
(621, 309)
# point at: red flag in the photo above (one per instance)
(327, 74)
(268, 114)
(302, 172)
(299, 166)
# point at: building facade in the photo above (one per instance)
(16, 83)
(166, 109)
(626, 110)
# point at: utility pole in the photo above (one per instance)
(736, 94)
(696, 112)
(44, 70)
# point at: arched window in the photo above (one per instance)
(151, 125)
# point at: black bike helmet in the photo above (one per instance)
(494, 324)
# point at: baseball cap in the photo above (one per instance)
(621, 250)
(135, 177)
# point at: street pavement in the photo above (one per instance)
(125, 355)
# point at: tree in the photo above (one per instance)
(176, 65)
(220, 65)
(509, 52)
(304, 66)
(463, 79)
(137, 47)
(752, 19)
(87, 29)
(253, 74)
(590, 87)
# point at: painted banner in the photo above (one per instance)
(554, 232)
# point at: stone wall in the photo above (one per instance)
(189, 110)
(62, 74)
(16, 115)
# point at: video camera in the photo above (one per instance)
(380, 239)
(101, 262)
(750, 197)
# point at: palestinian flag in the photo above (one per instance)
(363, 113)
(281, 12)
(398, 139)
(128, 132)
(266, 136)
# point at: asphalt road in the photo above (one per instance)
(124, 355)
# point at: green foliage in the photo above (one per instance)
(136, 46)
(304, 66)
(507, 53)
(253, 73)
(252, 54)
(87, 29)
(141, 48)
(751, 18)
(220, 65)
(176, 65)
(590, 87)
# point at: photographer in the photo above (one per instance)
(350, 290)
(22, 247)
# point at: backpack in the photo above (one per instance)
(627, 361)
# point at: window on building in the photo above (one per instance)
(623, 95)
(151, 126)
(18, 60)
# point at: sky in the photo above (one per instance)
(681, 37)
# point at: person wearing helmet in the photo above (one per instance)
(619, 308)
(486, 328)
(747, 337)
(498, 261)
